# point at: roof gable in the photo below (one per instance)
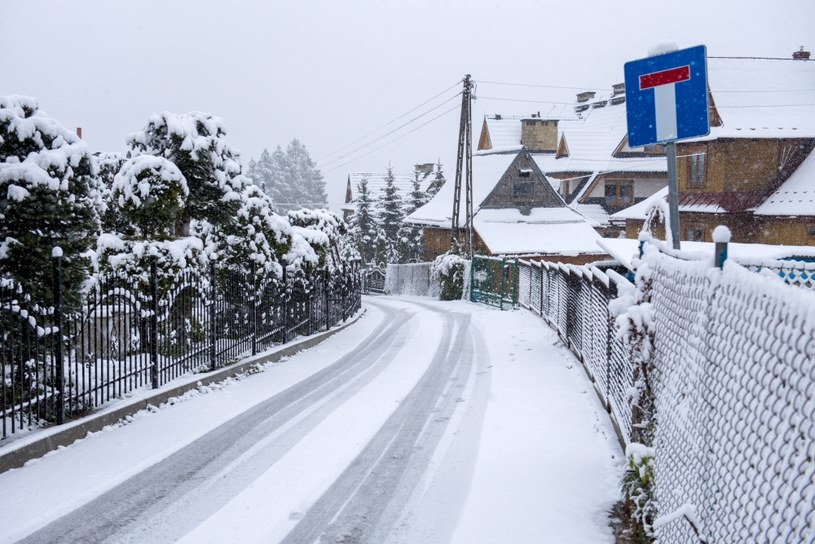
(523, 186)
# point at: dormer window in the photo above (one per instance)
(525, 172)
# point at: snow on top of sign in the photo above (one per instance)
(763, 98)
(796, 196)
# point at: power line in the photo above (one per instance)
(456, 84)
(400, 127)
(561, 103)
(587, 88)
(395, 139)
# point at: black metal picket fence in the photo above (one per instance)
(59, 363)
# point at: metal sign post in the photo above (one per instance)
(666, 101)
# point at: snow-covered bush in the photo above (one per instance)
(48, 197)
(196, 143)
(255, 235)
(448, 272)
(332, 242)
(148, 194)
(635, 327)
(129, 260)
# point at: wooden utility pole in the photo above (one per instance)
(464, 162)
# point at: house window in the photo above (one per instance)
(811, 231)
(694, 233)
(521, 189)
(619, 192)
(696, 170)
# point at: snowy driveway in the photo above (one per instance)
(424, 422)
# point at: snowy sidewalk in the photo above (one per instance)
(549, 464)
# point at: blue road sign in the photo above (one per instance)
(666, 97)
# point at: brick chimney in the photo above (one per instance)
(801, 54)
(539, 134)
(585, 96)
(79, 132)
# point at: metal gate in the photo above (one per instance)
(494, 281)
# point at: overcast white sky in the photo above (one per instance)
(330, 71)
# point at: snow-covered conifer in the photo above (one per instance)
(149, 194)
(196, 143)
(391, 214)
(49, 196)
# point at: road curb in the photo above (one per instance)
(67, 434)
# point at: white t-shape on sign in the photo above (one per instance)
(664, 85)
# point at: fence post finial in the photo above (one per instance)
(721, 237)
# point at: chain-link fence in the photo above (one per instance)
(734, 387)
(573, 300)
(735, 401)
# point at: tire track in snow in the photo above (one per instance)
(367, 500)
(163, 502)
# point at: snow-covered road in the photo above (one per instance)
(424, 422)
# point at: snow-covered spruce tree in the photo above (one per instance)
(305, 180)
(196, 143)
(437, 183)
(368, 237)
(49, 196)
(107, 166)
(268, 172)
(390, 216)
(411, 236)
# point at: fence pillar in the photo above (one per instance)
(154, 324)
(212, 329)
(59, 353)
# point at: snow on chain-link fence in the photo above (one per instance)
(130, 333)
(735, 401)
(734, 387)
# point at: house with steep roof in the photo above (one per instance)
(755, 171)
(583, 150)
(516, 212)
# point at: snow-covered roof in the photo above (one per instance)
(503, 131)
(796, 196)
(595, 213)
(637, 211)
(592, 141)
(487, 171)
(762, 98)
(545, 231)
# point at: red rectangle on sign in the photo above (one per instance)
(665, 77)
